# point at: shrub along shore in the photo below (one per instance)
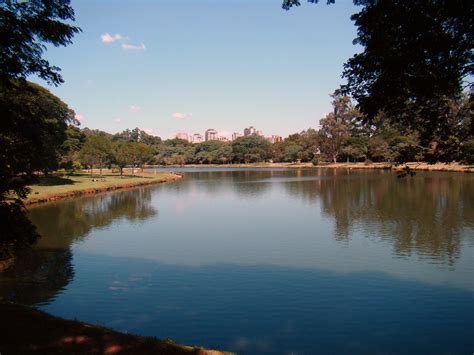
(53, 188)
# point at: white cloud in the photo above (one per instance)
(134, 108)
(118, 120)
(80, 118)
(147, 130)
(107, 38)
(132, 47)
(181, 115)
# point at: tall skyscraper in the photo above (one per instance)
(211, 134)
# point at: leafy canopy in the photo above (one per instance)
(25, 29)
(417, 58)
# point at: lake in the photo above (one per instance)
(281, 261)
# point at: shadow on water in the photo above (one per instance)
(271, 309)
(39, 273)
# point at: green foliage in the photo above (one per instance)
(96, 151)
(33, 128)
(336, 127)
(137, 135)
(24, 28)
(467, 151)
(251, 149)
(416, 56)
(68, 154)
(17, 230)
(356, 148)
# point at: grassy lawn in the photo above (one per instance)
(53, 187)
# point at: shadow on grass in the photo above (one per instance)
(54, 181)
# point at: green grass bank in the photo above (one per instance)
(53, 188)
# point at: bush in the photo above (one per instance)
(467, 151)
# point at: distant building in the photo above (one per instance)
(182, 135)
(249, 131)
(274, 139)
(197, 138)
(211, 135)
(259, 133)
(236, 135)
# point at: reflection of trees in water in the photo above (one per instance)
(39, 273)
(37, 276)
(243, 182)
(425, 213)
(65, 222)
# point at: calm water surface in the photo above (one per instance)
(265, 261)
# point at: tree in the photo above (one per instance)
(97, 150)
(123, 155)
(251, 149)
(417, 57)
(33, 121)
(33, 127)
(336, 126)
(25, 26)
(70, 148)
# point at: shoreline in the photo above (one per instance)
(103, 186)
(453, 167)
(26, 330)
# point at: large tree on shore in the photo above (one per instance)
(33, 122)
(417, 57)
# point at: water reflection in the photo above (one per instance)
(271, 261)
(39, 273)
(426, 214)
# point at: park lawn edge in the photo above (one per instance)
(26, 330)
(74, 192)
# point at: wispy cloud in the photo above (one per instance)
(181, 115)
(134, 108)
(117, 120)
(147, 130)
(132, 47)
(108, 38)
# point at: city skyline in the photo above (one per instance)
(212, 134)
(168, 67)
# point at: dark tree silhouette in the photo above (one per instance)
(25, 28)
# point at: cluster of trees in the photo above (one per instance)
(408, 84)
(343, 135)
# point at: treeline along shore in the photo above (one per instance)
(342, 136)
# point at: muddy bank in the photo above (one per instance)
(25, 330)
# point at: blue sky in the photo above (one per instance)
(188, 65)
